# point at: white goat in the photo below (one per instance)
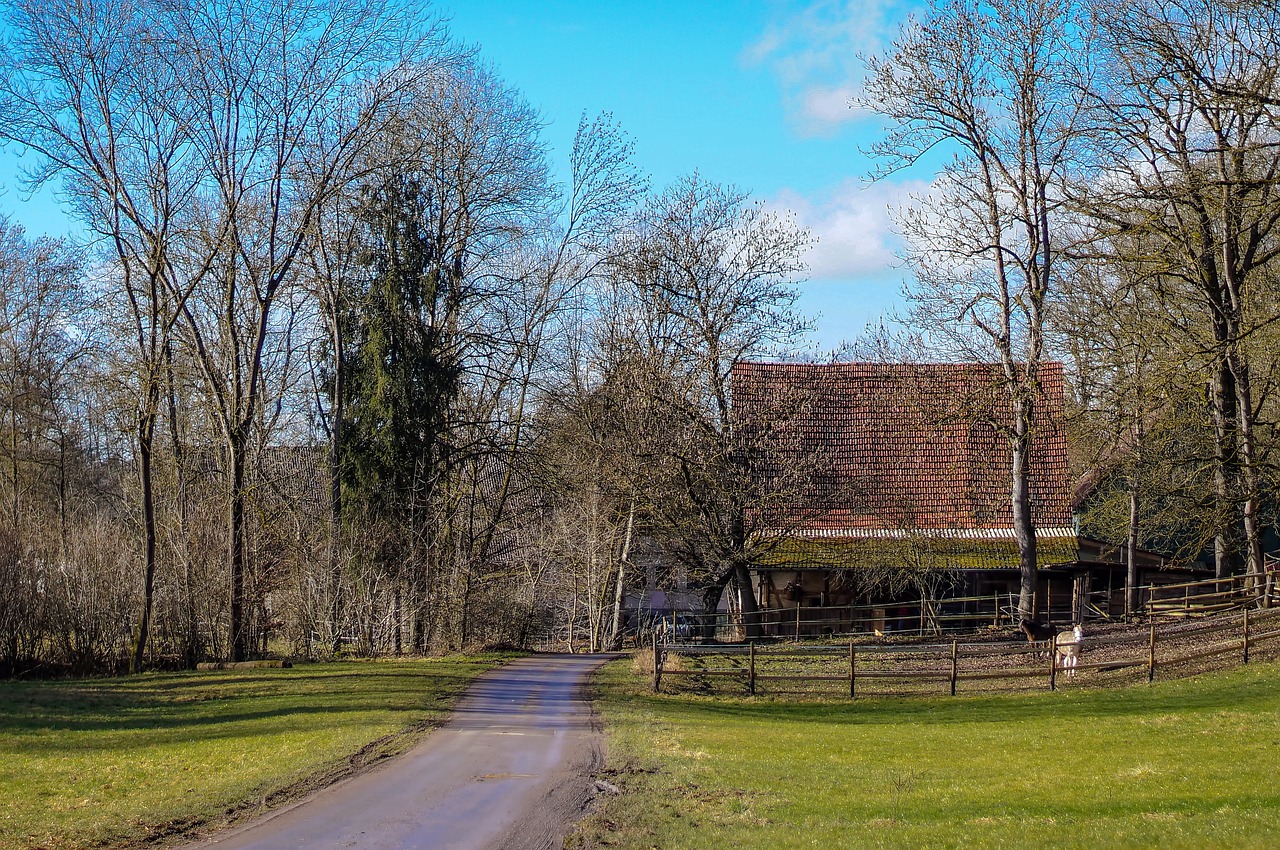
(1068, 646)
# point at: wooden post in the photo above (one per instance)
(1151, 656)
(1246, 636)
(997, 600)
(751, 671)
(798, 619)
(1053, 663)
(954, 647)
(657, 665)
(921, 615)
(1186, 601)
(853, 667)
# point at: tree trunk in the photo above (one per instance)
(335, 488)
(146, 434)
(235, 543)
(619, 590)
(191, 652)
(573, 621)
(397, 617)
(421, 629)
(1225, 473)
(747, 600)
(710, 602)
(1024, 530)
(13, 465)
(1251, 507)
(593, 601)
(62, 493)
(1131, 600)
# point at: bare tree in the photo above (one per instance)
(996, 83)
(705, 282)
(83, 87)
(1190, 175)
(1142, 438)
(42, 308)
(282, 98)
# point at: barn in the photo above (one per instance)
(909, 502)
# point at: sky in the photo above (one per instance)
(753, 93)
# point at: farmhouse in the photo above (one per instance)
(910, 498)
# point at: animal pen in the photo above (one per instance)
(1203, 632)
(966, 614)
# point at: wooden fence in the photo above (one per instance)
(1183, 600)
(853, 668)
(1191, 599)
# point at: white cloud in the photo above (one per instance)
(853, 226)
(824, 108)
(815, 50)
(770, 41)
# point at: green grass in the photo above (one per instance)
(1182, 764)
(118, 762)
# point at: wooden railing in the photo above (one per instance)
(1145, 648)
(1207, 596)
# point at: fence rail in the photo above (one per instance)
(1150, 648)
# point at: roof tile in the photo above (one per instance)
(913, 446)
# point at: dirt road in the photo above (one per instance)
(509, 770)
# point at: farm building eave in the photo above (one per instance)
(926, 549)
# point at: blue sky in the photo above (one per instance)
(748, 92)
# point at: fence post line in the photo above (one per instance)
(1246, 636)
(1151, 656)
(751, 674)
(954, 647)
(853, 666)
(657, 665)
(798, 601)
(1053, 663)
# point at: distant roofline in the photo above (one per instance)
(1058, 533)
(1053, 365)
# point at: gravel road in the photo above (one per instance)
(511, 769)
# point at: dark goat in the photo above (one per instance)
(1037, 633)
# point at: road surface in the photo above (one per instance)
(510, 769)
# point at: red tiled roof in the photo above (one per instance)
(911, 446)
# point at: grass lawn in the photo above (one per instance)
(1193, 763)
(116, 762)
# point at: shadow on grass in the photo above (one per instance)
(215, 705)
